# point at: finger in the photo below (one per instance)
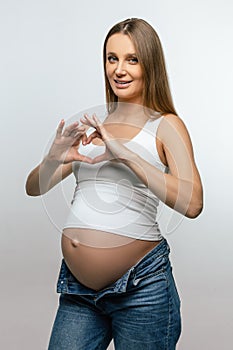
(77, 138)
(81, 127)
(87, 121)
(96, 119)
(77, 132)
(84, 139)
(70, 128)
(103, 157)
(60, 128)
(91, 137)
(100, 126)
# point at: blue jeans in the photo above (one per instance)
(140, 311)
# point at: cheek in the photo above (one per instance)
(109, 70)
(140, 80)
(138, 74)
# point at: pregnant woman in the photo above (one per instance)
(116, 279)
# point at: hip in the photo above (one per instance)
(142, 306)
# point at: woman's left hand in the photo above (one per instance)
(114, 151)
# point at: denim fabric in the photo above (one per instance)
(140, 311)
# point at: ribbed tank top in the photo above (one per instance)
(110, 197)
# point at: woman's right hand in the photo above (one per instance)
(65, 145)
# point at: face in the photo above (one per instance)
(123, 70)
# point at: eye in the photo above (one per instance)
(133, 60)
(112, 59)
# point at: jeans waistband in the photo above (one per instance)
(160, 250)
(64, 284)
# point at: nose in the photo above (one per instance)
(120, 69)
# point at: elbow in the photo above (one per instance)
(30, 191)
(32, 194)
(195, 206)
(194, 210)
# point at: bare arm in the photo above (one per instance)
(45, 176)
(181, 189)
(57, 165)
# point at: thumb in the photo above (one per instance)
(101, 158)
(82, 158)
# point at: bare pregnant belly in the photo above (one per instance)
(98, 258)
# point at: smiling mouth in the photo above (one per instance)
(122, 82)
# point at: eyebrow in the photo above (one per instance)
(127, 55)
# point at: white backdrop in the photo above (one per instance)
(51, 67)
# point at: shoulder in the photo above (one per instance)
(172, 120)
(172, 125)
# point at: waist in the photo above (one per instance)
(115, 209)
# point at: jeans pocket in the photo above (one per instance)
(149, 276)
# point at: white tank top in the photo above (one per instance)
(110, 197)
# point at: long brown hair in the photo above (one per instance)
(156, 93)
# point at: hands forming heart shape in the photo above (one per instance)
(65, 146)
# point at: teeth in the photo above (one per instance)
(122, 82)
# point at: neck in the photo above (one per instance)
(129, 111)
